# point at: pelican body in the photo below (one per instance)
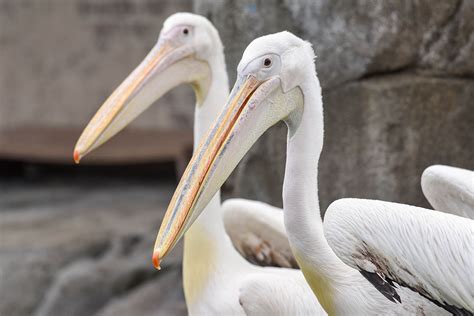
(216, 279)
(277, 81)
(397, 246)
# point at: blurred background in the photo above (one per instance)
(398, 90)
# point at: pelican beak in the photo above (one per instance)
(168, 65)
(252, 107)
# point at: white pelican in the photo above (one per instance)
(376, 237)
(216, 279)
(449, 189)
(277, 81)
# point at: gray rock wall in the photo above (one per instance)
(85, 249)
(398, 91)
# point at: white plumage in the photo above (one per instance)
(428, 251)
(257, 230)
(449, 189)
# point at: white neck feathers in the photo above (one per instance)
(302, 215)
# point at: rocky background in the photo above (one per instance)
(398, 92)
(83, 247)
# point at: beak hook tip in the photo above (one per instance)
(77, 157)
(156, 260)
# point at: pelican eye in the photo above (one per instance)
(267, 62)
(185, 31)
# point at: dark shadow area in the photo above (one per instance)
(24, 173)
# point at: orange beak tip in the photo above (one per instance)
(77, 157)
(156, 260)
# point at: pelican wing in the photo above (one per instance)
(449, 189)
(427, 251)
(258, 232)
(278, 294)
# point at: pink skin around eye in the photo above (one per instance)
(172, 33)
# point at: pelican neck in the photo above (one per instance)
(302, 215)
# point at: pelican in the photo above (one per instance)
(277, 81)
(357, 231)
(216, 279)
(427, 251)
(449, 189)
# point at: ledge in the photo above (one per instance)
(52, 144)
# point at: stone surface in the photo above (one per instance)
(353, 39)
(394, 127)
(28, 144)
(144, 302)
(87, 285)
(358, 44)
(61, 59)
(71, 249)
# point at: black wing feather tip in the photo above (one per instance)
(385, 287)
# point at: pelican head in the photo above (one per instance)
(267, 90)
(186, 47)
